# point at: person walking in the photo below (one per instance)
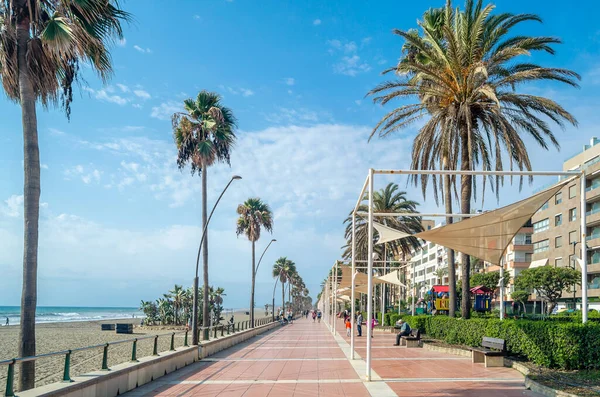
(374, 322)
(404, 331)
(314, 315)
(348, 327)
(7, 322)
(319, 316)
(359, 320)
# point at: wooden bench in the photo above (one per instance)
(413, 340)
(491, 353)
(124, 328)
(107, 327)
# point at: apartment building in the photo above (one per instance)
(556, 226)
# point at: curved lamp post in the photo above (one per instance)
(257, 266)
(195, 306)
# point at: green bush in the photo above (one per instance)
(553, 344)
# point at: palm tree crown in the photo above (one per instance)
(390, 200)
(204, 134)
(254, 215)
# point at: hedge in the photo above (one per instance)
(564, 345)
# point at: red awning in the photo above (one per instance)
(441, 288)
(480, 289)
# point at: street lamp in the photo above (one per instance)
(256, 271)
(195, 306)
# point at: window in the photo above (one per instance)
(428, 227)
(541, 226)
(541, 246)
(528, 239)
(573, 214)
(558, 198)
(431, 257)
(431, 245)
(558, 262)
(572, 191)
(558, 242)
(528, 256)
(544, 207)
(558, 220)
(572, 237)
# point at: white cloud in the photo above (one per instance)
(104, 95)
(246, 92)
(358, 102)
(122, 42)
(44, 166)
(142, 94)
(317, 22)
(54, 131)
(123, 87)
(350, 64)
(137, 105)
(86, 174)
(289, 81)
(296, 116)
(165, 110)
(142, 50)
(13, 206)
(290, 92)
(197, 17)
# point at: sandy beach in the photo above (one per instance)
(53, 337)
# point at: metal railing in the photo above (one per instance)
(214, 330)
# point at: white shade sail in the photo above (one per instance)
(486, 236)
(387, 234)
(390, 278)
(538, 263)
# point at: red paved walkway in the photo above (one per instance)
(305, 359)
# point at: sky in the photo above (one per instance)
(120, 223)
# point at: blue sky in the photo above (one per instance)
(119, 222)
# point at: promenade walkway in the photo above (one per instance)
(305, 359)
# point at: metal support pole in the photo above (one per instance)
(155, 347)
(353, 298)
(67, 369)
(414, 286)
(105, 358)
(335, 283)
(501, 290)
(370, 276)
(10, 380)
(134, 351)
(172, 342)
(584, 286)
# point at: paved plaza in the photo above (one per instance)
(305, 359)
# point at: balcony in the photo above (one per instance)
(517, 265)
(593, 240)
(593, 217)
(523, 247)
(592, 193)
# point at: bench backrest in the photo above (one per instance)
(416, 333)
(494, 343)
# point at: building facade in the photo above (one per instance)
(556, 226)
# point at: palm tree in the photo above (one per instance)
(42, 46)
(440, 272)
(283, 268)
(203, 135)
(465, 83)
(389, 199)
(177, 296)
(254, 215)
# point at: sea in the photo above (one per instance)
(58, 314)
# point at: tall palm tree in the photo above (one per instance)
(389, 199)
(467, 89)
(283, 268)
(177, 295)
(204, 135)
(42, 46)
(254, 215)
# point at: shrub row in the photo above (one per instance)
(564, 345)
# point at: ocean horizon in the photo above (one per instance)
(58, 314)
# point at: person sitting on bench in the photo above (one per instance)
(404, 331)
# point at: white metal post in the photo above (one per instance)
(370, 275)
(584, 286)
(335, 286)
(501, 290)
(354, 325)
(414, 285)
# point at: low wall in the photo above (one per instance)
(128, 376)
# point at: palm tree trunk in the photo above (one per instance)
(31, 213)
(252, 289)
(205, 314)
(465, 207)
(451, 265)
(283, 297)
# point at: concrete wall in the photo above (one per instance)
(125, 377)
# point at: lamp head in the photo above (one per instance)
(236, 177)
(273, 240)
